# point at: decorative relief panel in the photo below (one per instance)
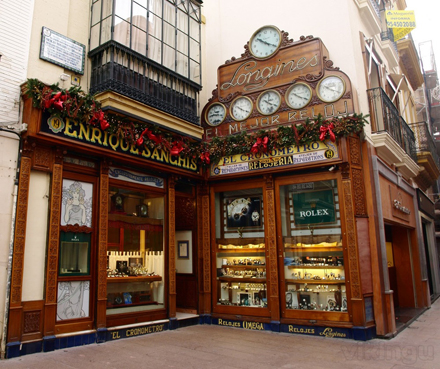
(42, 158)
(185, 212)
(172, 233)
(32, 321)
(352, 242)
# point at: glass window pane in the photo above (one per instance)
(139, 41)
(96, 12)
(73, 300)
(183, 4)
(182, 21)
(121, 32)
(194, 11)
(314, 263)
(143, 3)
(139, 17)
(182, 64)
(155, 26)
(106, 8)
(169, 57)
(94, 36)
(156, 7)
(182, 43)
(135, 278)
(195, 50)
(106, 27)
(195, 72)
(123, 9)
(169, 34)
(155, 49)
(240, 248)
(169, 13)
(195, 30)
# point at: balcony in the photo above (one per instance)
(118, 69)
(427, 157)
(393, 138)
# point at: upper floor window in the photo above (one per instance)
(165, 31)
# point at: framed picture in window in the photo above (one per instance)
(243, 212)
(183, 249)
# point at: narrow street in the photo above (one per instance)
(204, 346)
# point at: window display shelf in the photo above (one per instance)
(305, 266)
(315, 281)
(130, 279)
(241, 279)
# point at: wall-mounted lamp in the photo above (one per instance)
(64, 77)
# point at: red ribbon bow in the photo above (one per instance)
(327, 128)
(261, 142)
(204, 156)
(176, 149)
(99, 118)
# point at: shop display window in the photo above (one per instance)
(240, 248)
(314, 267)
(135, 251)
(74, 254)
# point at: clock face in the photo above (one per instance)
(265, 42)
(331, 88)
(215, 114)
(298, 95)
(241, 108)
(143, 210)
(269, 102)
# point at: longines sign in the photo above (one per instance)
(289, 63)
(276, 82)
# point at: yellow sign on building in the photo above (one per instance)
(401, 22)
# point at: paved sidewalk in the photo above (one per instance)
(204, 346)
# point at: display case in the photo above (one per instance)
(315, 277)
(74, 257)
(130, 291)
(241, 272)
(240, 251)
(314, 269)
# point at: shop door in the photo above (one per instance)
(428, 258)
(186, 250)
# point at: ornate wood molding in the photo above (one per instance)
(350, 224)
(172, 234)
(271, 246)
(102, 244)
(53, 245)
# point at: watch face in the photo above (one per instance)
(144, 210)
(215, 114)
(298, 96)
(331, 88)
(241, 108)
(265, 42)
(269, 102)
(118, 200)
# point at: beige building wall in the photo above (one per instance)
(36, 240)
(338, 23)
(70, 18)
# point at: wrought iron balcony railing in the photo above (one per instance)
(424, 141)
(117, 68)
(386, 118)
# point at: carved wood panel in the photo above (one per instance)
(20, 231)
(350, 224)
(206, 243)
(42, 158)
(271, 246)
(185, 213)
(172, 234)
(103, 232)
(31, 322)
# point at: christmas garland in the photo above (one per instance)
(76, 104)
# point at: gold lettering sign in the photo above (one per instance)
(93, 135)
(288, 64)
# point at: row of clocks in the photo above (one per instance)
(329, 89)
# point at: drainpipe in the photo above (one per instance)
(11, 241)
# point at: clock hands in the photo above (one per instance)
(239, 107)
(302, 97)
(265, 42)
